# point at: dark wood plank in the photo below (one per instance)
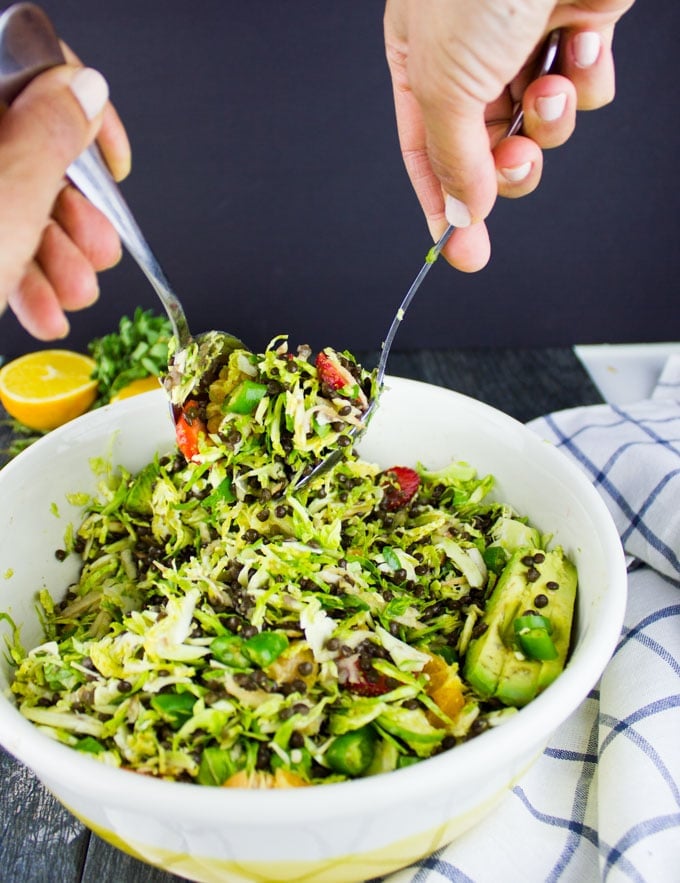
(524, 383)
(105, 863)
(40, 842)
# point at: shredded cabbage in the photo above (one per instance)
(227, 628)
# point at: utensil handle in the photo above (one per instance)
(92, 177)
(28, 46)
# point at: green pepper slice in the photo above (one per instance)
(532, 632)
(352, 753)
(264, 648)
(246, 397)
(532, 621)
(228, 649)
(224, 492)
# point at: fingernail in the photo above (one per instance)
(94, 297)
(551, 107)
(586, 48)
(91, 91)
(516, 173)
(457, 213)
(65, 330)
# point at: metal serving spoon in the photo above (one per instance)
(28, 46)
(547, 59)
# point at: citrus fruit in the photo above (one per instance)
(135, 387)
(46, 388)
(445, 686)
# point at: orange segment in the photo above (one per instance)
(44, 389)
(445, 687)
(144, 384)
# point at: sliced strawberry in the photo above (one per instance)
(336, 377)
(332, 373)
(189, 428)
(354, 679)
(400, 487)
(370, 688)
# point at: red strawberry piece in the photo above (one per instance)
(331, 373)
(400, 487)
(370, 688)
(352, 677)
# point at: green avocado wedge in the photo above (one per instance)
(535, 587)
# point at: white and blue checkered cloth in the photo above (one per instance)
(603, 801)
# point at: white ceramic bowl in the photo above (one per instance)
(336, 832)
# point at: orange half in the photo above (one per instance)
(135, 387)
(47, 388)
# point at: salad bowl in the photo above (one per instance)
(336, 832)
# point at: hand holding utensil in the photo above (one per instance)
(28, 46)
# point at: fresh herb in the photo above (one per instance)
(20, 438)
(139, 348)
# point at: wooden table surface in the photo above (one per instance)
(40, 842)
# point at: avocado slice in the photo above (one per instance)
(532, 580)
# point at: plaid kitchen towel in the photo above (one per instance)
(603, 801)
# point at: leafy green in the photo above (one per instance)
(228, 622)
(21, 438)
(139, 348)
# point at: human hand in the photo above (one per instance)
(458, 68)
(52, 240)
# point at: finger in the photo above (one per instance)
(88, 228)
(588, 62)
(461, 159)
(519, 165)
(67, 270)
(36, 306)
(112, 138)
(43, 131)
(411, 133)
(469, 248)
(439, 211)
(549, 105)
(114, 144)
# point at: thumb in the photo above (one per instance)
(47, 126)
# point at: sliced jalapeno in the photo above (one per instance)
(351, 754)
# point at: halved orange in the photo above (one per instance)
(135, 387)
(46, 388)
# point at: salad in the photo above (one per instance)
(229, 629)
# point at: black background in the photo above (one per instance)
(267, 176)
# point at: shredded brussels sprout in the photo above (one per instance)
(228, 629)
